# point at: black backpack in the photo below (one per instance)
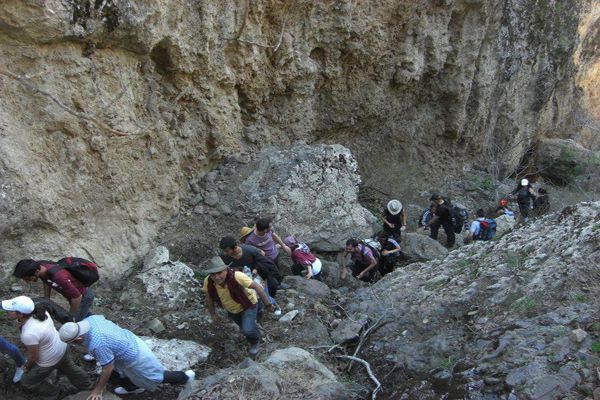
(460, 219)
(85, 271)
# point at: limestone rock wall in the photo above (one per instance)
(420, 84)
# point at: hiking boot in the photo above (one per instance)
(254, 349)
(18, 374)
(121, 390)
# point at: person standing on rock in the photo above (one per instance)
(45, 352)
(244, 256)
(394, 219)
(443, 217)
(364, 261)
(54, 276)
(265, 239)
(123, 356)
(232, 290)
(525, 197)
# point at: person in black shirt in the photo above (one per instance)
(394, 219)
(443, 217)
(525, 197)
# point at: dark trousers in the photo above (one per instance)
(87, 300)
(448, 228)
(246, 320)
(357, 268)
(172, 377)
(386, 264)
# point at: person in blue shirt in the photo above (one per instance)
(122, 355)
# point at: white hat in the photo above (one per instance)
(394, 207)
(72, 330)
(524, 182)
(22, 304)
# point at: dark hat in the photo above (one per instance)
(215, 264)
(435, 197)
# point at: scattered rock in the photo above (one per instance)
(420, 247)
(16, 288)
(156, 258)
(348, 330)
(578, 335)
(289, 316)
(156, 326)
(314, 289)
(177, 354)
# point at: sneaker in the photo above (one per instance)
(191, 376)
(18, 375)
(88, 357)
(277, 311)
(254, 349)
(122, 390)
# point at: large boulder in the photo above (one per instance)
(504, 223)
(562, 160)
(421, 247)
(309, 191)
(163, 284)
(177, 354)
(291, 373)
(312, 288)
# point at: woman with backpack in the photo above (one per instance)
(525, 197)
(305, 262)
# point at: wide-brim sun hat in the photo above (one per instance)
(72, 330)
(245, 231)
(394, 207)
(215, 265)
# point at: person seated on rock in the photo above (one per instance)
(123, 356)
(427, 215)
(504, 209)
(264, 238)
(443, 217)
(54, 276)
(13, 352)
(525, 197)
(247, 258)
(475, 228)
(232, 290)
(390, 250)
(541, 204)
(305, 262)
(364, 261)
(45, 352)
(394, 219)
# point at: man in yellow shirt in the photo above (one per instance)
(237, 294)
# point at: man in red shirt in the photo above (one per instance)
(55, 277)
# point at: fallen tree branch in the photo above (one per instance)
(25, 82)
(369, 371)
(364, 336)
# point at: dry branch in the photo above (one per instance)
(25, 82)
(369, 371)
(365, 335)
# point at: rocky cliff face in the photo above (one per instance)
(109, 108)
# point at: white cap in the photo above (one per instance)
(524, 182)
(22, 304)
(72, 330)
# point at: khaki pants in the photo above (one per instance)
(36, 379)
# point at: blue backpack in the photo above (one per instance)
(487, 229)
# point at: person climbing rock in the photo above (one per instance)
(390, 250)
(241, 256)
(13, 352)
(55, 276)
(427, 215)
(364, 261)
(305, 262)
(394, 219)
(443, 217)
(231, 290)
(525, 197)
(541, 204)
(125, 358)
(504, 209)
(45, 352)
(265, 239)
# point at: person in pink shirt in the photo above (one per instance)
(264, 238)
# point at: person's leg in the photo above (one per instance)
(272, 284)
(87, 300)
(435, 227)
(11, 350)
(237, 318)
(175, 377)
(74, 373)
(249, 327)
(36, 381)
(122, 381)
(297, 269)
(450, 235)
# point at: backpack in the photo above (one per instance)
(422, 221)
(487, 229)
(374, 246)
(460, 219)
(85, 271)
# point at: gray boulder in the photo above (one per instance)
(348, 330)
(421, 247)
(291, 373)
(312, 288)
(504, 224)
(177, 354)
(561, 160)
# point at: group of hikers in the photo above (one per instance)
(243, 280)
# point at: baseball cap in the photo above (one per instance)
(22, 304)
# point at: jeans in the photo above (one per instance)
(11, 350)
(246, 320)
(36, 380)
(87, 300)
(448, 228)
